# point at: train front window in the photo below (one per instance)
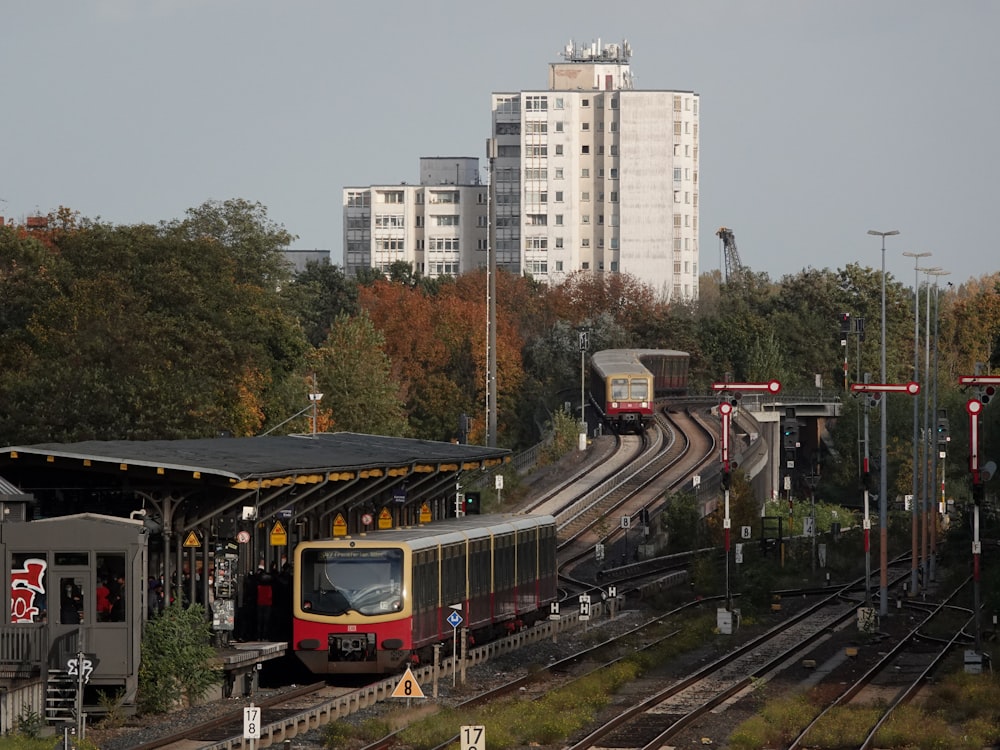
(337, 581)
(619, 389)
(640, 390)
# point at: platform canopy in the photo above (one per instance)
(254, 462)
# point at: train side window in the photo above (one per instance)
(28, 587)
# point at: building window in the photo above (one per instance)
(585, 172)
(677, 244)
(445, 196)
(614, 246)
(559, 149)
(559, 265)
(536, 220)
(585, 218)
(600, 219)
(537, 126)
(677, 128)
(677, 221)
(585, 196)
(559, 173)
(584, 126)
(507, 152)
(445, 221)
(391, 196)
(584, 266)
(614, 127)
(358, 199)
(559, 196)
(536, 103)
(585, 242)
(585, 102)
(614, 102)
(677, 196)
(559, 102)
(677, 174)
(559, 220)
(536, 243)
(677, 104)
(536, 150)
(508, 128)
(614, 196)
(614, 173)
(585, 149)
(559, 242)
(559, 126)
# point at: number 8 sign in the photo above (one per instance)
(473, 737)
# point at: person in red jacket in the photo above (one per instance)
(265, 598)
(102, 600)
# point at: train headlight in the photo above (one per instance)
(614, 404)
(645, 404)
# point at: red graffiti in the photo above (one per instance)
(25, 585)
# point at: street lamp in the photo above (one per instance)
(915, 535)
(883, 512)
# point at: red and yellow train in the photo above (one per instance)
(376, 603)
(624, 384)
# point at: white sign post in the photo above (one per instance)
(454, 619)
(473, 737)
(251, 724)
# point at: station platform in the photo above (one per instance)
(242, 662)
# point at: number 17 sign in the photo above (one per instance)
(473, 737)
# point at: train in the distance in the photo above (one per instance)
(624, 384)
(376, 603)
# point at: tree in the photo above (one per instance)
(177, 659)
(354, 374)
(317, 296)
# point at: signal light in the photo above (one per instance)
(472, 503)
(727, 480)
(987, 393)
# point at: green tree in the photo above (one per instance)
(317, 296)
(177, 659)
(354, 374)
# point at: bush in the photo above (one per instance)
(177, 655)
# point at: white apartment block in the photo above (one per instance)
(594, 175)
(439, 226)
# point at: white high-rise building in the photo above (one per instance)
(594, 175)
(439, 226)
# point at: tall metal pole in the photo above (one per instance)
(914, 502)
(883, 509)
(867, 521)
(933, 514)
(491, 301)
(927, 442)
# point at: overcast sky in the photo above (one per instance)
(820, 120)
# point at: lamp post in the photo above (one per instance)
(931, 518)
(914, 512)
(883, 511)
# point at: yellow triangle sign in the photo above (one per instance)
(192, 540)
(408, 687)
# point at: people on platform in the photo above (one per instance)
(265, 600)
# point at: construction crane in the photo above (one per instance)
(733, 265)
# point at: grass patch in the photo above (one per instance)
(962, 713)
(541, 720)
